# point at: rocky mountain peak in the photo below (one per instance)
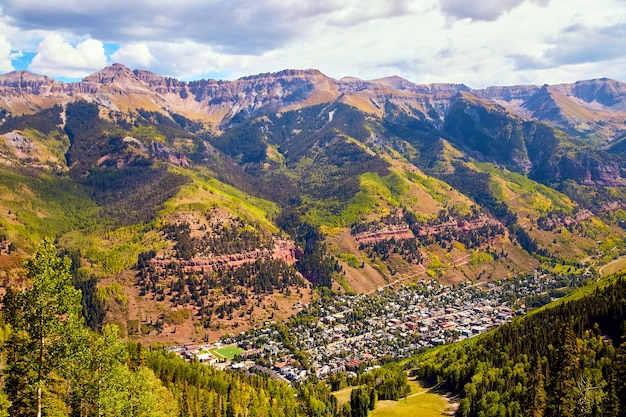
(288, 73)
(111, 74)
(578, 108)
(507, 94)
(353, 84)
(604, 91)
(401, 84)
(26, 81)
(396, 82)
(149, 77)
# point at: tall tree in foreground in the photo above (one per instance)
(48, 335)
(536, 391)
(108, 386)
(563, 388)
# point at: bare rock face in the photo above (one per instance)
(543, 106)
(27, 83)
(163, 152)
(603, 91)
(271, 91)
(22, 146)
(605, 173)
(508, 94)
(162, 85)
(581, 109)
(109, 75)
(584, 169)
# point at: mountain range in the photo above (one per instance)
(589, 109)
(226, 201)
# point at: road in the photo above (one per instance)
(618, 260)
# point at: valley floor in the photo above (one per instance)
(353, 332)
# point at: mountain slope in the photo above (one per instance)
(592, 109)
(227, 201)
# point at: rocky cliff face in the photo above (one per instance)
(489, 125)
(586, 108)
(593, 109)
(608, 93)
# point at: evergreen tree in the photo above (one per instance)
(563, 388)
(360, 402)
(537, 393)
(5, 404)
(610, 405)
(620, 377)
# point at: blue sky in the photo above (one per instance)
(476, 42)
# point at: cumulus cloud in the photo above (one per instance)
(477, 42)
(237, 27)
(244, 27)
(5, 55)
(134, 55)
(583, 44)
(355, 12)
(192, 60)
(56, 57)
(487, 10)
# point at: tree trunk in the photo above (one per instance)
(40, 372)
(39, 400)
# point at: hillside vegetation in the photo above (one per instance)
(78, 372)
(236, 221)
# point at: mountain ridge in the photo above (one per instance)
(580, 108)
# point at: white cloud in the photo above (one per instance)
(134, 55)
(5, 55)
(55, 57)
(578, 45)
(238, 27)
(476, 42)
(421, 45)
(192, 60)
(355, 12)
(488, 10)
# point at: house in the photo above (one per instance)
(205, 357)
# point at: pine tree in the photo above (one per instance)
(537, 392)
(620, 377)
(610, 404)
(359, 402)
(563, 391)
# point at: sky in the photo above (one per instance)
(476, 42)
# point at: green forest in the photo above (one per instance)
(566, 360)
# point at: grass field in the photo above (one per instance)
(343, 396)
(228, 352)
(420, 402)
(615, 266)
